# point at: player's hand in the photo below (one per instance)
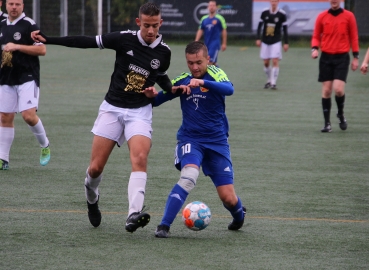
(258, 42)
(11, 47)
(195, 83)
(355, 64)
(184, 88)
(224, 47)
(314, 54)
(150, 92)
(285, 47)
(364, 68)
(37, 37)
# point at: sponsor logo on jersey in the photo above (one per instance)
(203, 89)
(17, 36)
(139, 70)
(155, 63)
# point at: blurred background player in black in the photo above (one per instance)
(20, 80)
(272, 20)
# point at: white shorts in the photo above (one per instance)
(271, 51)
(121, 124)
(18, 98)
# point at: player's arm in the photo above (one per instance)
(199, 34)
(34, 50)
(224, 88)
(354, 41)
(258, 33)
(315, 40)
(285, 36)
(164, 82)
(364, 65)
(224, 39)
(82, 42)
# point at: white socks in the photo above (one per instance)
(136, 191)
(6, 140)
(39, 131)
(274, 75)
(91, 187)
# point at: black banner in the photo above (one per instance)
(181, 16)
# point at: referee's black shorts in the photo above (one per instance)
(333, 67)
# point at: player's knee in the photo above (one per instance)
(229, 199)
(95, 170)
(188, 178)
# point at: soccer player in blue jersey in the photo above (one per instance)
(202, 137)
(214, 28)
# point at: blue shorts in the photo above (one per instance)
(215, 160)
(213, 53)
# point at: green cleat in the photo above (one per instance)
(4, 165)
(45, 156)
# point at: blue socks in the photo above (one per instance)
(236, 211)
(175, 201)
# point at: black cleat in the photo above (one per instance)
(267, 85)
(136, 220)
(162, 231)
(274, 87)
(343, 122)
(236, 225)
(94, 214)
(327, 128)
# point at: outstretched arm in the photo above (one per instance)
(82, 42)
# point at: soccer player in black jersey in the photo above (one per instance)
(142, 59)
(272, 20)
(19, 80)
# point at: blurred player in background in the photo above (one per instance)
(335, 32)
(214, 28)
(272, 20)
(142, 59)
(19, 80)
(202, 137)
(2, 14)
(364, 65)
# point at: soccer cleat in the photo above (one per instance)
(45, 155)
(236, 225)
(274, 87)
(162, 231)
(94, 214)
(267, 85)
(343, 122)
(327, 128)
(136, 220)
(4, 165)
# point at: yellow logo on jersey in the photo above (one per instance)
(6, 59)
(135, 82)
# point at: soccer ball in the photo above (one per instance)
(196, 216)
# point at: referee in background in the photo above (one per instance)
(335, 32)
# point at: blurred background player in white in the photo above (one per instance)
(272, 21)
(214, 28)
(202, 137)
(364, 65)
(332, 25)
(20, 80)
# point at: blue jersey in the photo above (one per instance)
(212, 28)
(203, 111)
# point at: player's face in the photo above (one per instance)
(14, 9)
(197, 64)
(212, 7)
(335, 4)
(274, 4)
(149, 26)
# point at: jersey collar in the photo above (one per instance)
(275, 12)
(15, 21)
(152, 45)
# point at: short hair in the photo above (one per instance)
(149, 9)
(195, 47)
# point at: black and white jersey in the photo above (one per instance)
(137, 66)
(3, 16)
(272, 23)
(16, 67)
